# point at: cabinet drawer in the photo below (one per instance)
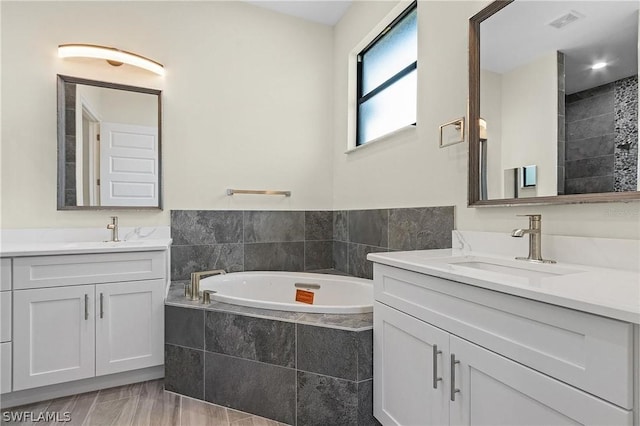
(587, 351)
(5, 367)
(5, 316)
(54, 271)
(5, 274)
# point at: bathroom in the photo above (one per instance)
(257, 99)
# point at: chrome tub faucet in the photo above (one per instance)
(192, 290)
(535, 239)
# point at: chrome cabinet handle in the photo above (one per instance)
(436, 379)
(454, 390)
(86, 307)
(101, 305)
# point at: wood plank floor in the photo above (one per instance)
(140, 404)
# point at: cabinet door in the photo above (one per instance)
(404, 368)
(5, 367)
(54, 336)
(497, 391)
(129, 326)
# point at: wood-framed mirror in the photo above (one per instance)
(553, 103)
(109, 145)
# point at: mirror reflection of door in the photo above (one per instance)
(87, 145)
(128, 165)
(112, 148)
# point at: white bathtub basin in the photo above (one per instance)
(277, 290)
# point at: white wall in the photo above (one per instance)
(253, 99)
(247, 103)
(409, 169)
(118, 106)
(530, 122)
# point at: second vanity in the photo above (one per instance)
(461, 338)
(79, 316)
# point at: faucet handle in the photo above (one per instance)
(532, 217)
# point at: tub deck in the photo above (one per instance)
(351, 322)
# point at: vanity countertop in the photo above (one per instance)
(613, 293)
(14, 249)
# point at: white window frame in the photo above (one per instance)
(352, 107)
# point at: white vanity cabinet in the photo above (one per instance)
(54, 336)
(129, 326)
(84, 315)
(408, 357)
(496, 358)
(5, 325)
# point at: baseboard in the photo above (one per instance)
(28, 396)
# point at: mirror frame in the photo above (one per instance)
(474, 134)
(62, 79)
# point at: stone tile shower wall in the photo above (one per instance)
(625, 166)
(601, 151)
(70, 195)
(301, 240)
(561, 123)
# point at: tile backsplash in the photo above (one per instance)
(301, 240)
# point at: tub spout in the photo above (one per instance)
(192, 290)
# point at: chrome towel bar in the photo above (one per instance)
(257, 192)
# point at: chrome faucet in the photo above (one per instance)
(113, 226)
(192, 290)
(535, 239)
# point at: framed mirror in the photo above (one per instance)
(553, 103)
(109, 145)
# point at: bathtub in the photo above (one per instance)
(332, 294)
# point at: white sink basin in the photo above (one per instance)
(518, 268)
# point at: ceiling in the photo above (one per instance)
(327, 12)
(605, 31)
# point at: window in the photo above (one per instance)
(387, 79)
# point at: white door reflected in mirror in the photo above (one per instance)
(109, 145)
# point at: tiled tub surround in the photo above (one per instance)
(301, 240)
(601, 151)
(299, 369)
(357, 233)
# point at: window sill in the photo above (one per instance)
(387, 137)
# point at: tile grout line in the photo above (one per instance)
(204, 354)
(295, 383)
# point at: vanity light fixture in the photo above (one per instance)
(112, 55)
(598, 65)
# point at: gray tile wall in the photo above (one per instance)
(249, 241)
(290, 372)
(301, 240)
(589, 145)
(357, 233)
(602, 138)
(561, 123)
